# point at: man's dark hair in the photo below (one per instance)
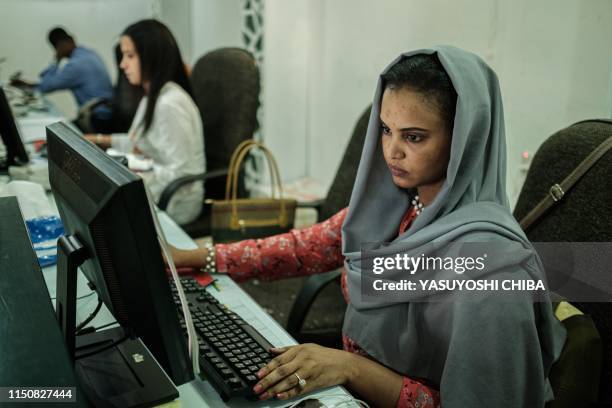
(160, 60)
(57, 35)
(424, 73)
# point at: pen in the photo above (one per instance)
(215, 285)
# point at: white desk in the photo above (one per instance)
(34, 119)
(200, 393)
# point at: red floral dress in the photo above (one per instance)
(303, 252)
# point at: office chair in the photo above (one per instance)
(337, 198)
(226, 89)
(583, 215)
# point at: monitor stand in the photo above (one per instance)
(123, 373)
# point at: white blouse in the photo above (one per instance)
(175, 145)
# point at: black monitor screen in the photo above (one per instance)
(15, 151)
(105, 206)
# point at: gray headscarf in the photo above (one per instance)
(478, 353)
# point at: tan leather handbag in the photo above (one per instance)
(235, 219)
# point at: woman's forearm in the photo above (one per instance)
(189, 258)
(373, 382)
(102, 141)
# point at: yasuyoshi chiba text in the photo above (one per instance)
(460, 284)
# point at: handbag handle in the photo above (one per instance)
(232, 164)
(558, 190)
(232, 184)
(234, 167)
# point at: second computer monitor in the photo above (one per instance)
(15, 151)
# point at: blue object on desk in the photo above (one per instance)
(44, 232)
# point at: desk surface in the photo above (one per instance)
(200, 393)
(33, 120)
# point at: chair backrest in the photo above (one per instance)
(226, 90)
(341, 188)
(583, 215)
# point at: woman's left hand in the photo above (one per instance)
(318, 366)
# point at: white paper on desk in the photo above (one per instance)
(31, 196)
(36, 171)
(32, 129)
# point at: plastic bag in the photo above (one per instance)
(44, 232)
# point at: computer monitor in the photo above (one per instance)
(104, 209)
(16, 154)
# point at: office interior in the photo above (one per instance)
(319, 62)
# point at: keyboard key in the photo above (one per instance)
(227, 373)
(235, 382)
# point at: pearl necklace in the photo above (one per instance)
(418, 205)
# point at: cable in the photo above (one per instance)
(104, 326)
(101, 349)
(80, 297)
(90, 318)
(192, 338)
(87, 295)
(345, 400)
(91, 329)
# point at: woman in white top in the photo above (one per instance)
(167, 127)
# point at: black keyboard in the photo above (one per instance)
(231, 350)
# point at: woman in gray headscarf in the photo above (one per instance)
(433, 168)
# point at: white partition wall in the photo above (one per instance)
(323, 57)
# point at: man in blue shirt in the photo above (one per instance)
(84, 74)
